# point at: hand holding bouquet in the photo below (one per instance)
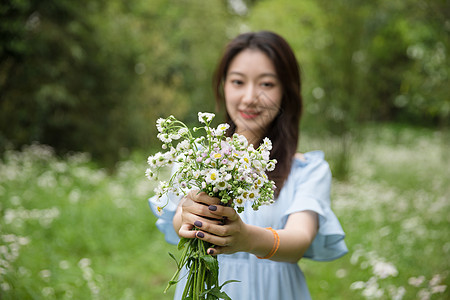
(224, 167)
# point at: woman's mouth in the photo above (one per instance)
(249, 114)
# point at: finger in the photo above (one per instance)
(202, 197)
(217, 250)
(215, 228)
(213, 239)
(224, 211)
(186, 231)
(194, 211)
(202, 222)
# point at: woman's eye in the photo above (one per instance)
(267, 84)
(237, 82)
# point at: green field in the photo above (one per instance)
(70, 230)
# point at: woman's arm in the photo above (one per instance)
(235, 236)
(223, 227)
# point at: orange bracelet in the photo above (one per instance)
(276, 244)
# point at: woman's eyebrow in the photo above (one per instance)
(259, 76)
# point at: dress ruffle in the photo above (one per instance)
(311, 191)
(165, 217)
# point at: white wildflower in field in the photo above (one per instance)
(341, 273)
(416, 281)
(384, 269)
(357, 285)
(5, 286)
(396, 293)
(64, 264)
(372, 289)
(48, 292)
(45, 275)
(89, 276)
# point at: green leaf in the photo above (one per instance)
(216, 294)
(210, 261)
(182, 242)
(212, 265)
(228, 281)
(173, 257)
(169, 284)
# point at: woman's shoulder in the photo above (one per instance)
(309, 158)
(310, 162)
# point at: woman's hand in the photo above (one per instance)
(193, 212)
(216, 224)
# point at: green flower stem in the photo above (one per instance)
(182, 262)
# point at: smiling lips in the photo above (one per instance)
(249, 114)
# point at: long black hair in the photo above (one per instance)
(284, 130)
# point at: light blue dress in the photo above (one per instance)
(307, 188)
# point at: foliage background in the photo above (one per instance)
(94, 75)
(91, 77)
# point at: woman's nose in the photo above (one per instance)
(250, 94)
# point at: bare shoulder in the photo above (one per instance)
(300, 156)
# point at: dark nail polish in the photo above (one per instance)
(212, 207)
(211, 251)
(198, 224)
(200, 234)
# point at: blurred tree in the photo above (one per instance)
(365, 61)
(94, 75)
(60, 85)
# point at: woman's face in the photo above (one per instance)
(253, 93)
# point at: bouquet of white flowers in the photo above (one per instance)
(224, 167)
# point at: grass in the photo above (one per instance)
(69, 230)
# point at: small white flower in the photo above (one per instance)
(160, 124)
(221, 129)
(227, 176)
(212, 176)
(149, 174)
(159, 210)
(245, 160)
(183, 145)
(164, 137)
(257, 165)
(265, 154)
(267, 143)
(182, 131)
(161, 188)
(205, 117)
(221, 185)
(174, 136)
(243, 143)
(239, 202)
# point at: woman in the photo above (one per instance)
(258, 79)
